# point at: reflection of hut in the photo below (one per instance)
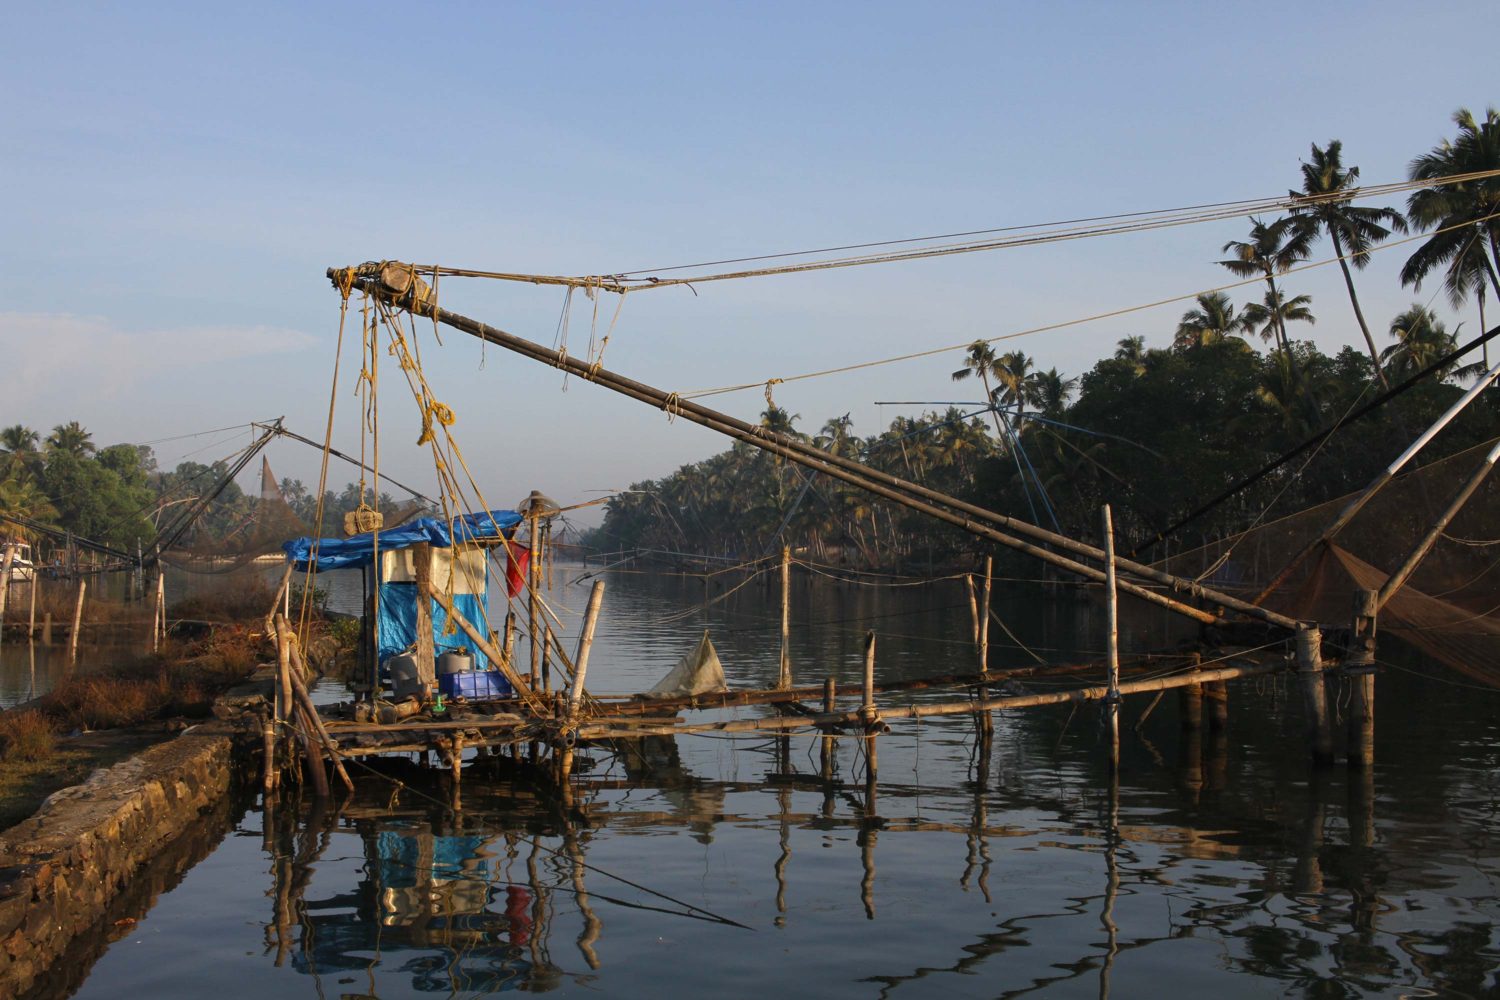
(460, 553)
(439, 900)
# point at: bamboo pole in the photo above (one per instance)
(46, 628)
(310, 711)
(421, 558)
(973, 610)
(984, 719)
(547, 662)
(603, 727)
(869, 717)
(1112, 640)
(829, 741)
(911, 495)
(984, 615)
(31, 615)
(533, 595)
(523, 690)
(585, 646)
(160, 619)
(83, 585)
(784, 677)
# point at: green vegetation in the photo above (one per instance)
(1154, 431)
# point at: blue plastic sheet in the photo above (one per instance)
(358, 550)
(398, 622)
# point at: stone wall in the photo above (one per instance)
(60, 868)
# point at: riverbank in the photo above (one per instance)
(60, 868)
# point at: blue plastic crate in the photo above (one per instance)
(475, 685)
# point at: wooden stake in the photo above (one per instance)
(312, 720)
(31, 616)
(83, 585)
(1310, 670)
(1112, 640)
(784, 677)
(1190, 701)
(585, 645)
(421, 557)
(547, 661)
(830, 698)
(46, 628)
(161, 610)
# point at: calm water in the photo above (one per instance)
(1222, 865)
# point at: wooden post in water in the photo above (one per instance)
(1216, 699)
(1314, 696)
(1112, 640)
(1190, 700)
(5, 565)
(986, 720)
(830, 698)
(83, 585)
(784, 677)
(585, 645)
(1360, 669)
(36, 578)
(421, 557)
(871, 719)
(46, 628)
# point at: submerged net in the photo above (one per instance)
(1449, 608)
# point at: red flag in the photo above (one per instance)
(517, 558)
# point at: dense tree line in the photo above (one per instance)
(1153, 431)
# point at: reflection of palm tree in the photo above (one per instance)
(1213, 322)
(1421, 339)
(1272, 249)
(1352, 230)
(1268, 317)
(1468, 214)
(72, 438)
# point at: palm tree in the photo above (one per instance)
(1018, 382)
(1213, 322)
(20, 444)
(1272, 249)
(72, 438)
(1421, 338)
(1466, 215)
(1271, 316)
(1325, 201)
(1054, 391)
(1132, 351)
(982, 362)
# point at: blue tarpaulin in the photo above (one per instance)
(358, 550)
(396, 616)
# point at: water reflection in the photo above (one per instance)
(1007, 864)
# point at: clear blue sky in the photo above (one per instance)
(176, 177)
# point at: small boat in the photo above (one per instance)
(22, 569)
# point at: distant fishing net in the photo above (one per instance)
(237, 532)
(1449, 609)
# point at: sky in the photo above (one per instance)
(176, 178)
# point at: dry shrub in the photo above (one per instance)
(109, 702)
(28, 735)
(239, 599)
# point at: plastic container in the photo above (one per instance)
(455, 661)
(403, 670)
(475, 685)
